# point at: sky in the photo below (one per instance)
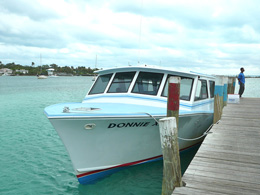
(206, 36)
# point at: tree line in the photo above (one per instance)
(37, 70)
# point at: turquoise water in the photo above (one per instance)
(252, 88)
(33, 158)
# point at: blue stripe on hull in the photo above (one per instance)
(94, 177)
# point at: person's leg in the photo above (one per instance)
(241, 89)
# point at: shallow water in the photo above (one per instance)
(33, 158)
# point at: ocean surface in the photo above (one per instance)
(33, 159)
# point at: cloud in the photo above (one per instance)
(203, 35)
(35, 10)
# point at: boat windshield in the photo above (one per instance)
(147, 83)
(101, 84)
(121, 82)
(185, 88)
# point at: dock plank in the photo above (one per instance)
(217, 186)
(228, 161)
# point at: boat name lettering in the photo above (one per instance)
(133, 124)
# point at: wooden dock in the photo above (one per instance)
(228, 161)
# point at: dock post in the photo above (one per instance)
(225, 88)
(218, 98)
(234, 85)
(230, 85)
(217, 109)
(173, 100)
(169, 139)
(219, 88)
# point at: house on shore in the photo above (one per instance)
(22, 71)
(5, 71)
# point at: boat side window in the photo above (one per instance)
(212, 88)
(121, 82)
(185, 88)
(147, 83)
(201, 91)
(100, 84)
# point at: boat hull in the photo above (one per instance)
(101, 146)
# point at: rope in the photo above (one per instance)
(184, 139)
(152, 117)
(204, 134)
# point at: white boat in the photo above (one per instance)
(114, 126)
(42, 77)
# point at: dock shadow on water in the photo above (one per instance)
(187, 156)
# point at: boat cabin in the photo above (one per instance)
(152, 82)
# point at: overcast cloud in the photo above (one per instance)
(214, 37)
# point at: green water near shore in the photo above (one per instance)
(33, 158)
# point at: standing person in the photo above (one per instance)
(241, 81)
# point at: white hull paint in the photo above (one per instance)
(116, 141)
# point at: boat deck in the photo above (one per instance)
(228, 161)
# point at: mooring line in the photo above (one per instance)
(184, 139)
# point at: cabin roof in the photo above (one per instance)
(150, 68)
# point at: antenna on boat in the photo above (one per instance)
(140, 33)
(94, 78)
(96, 62)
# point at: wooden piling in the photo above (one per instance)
(225, 89)
(234, 85)
(173, 98)
(230, 85)
(169, 139)
(217, 109)
(219, 87)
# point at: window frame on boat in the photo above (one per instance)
(200, 92)
(101, 87)
(108, 83)
(143, 86)
(119, 84)
(182, 97)
(212, 88)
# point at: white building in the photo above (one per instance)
(50, 71)
(23, 71)
(6, 71)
